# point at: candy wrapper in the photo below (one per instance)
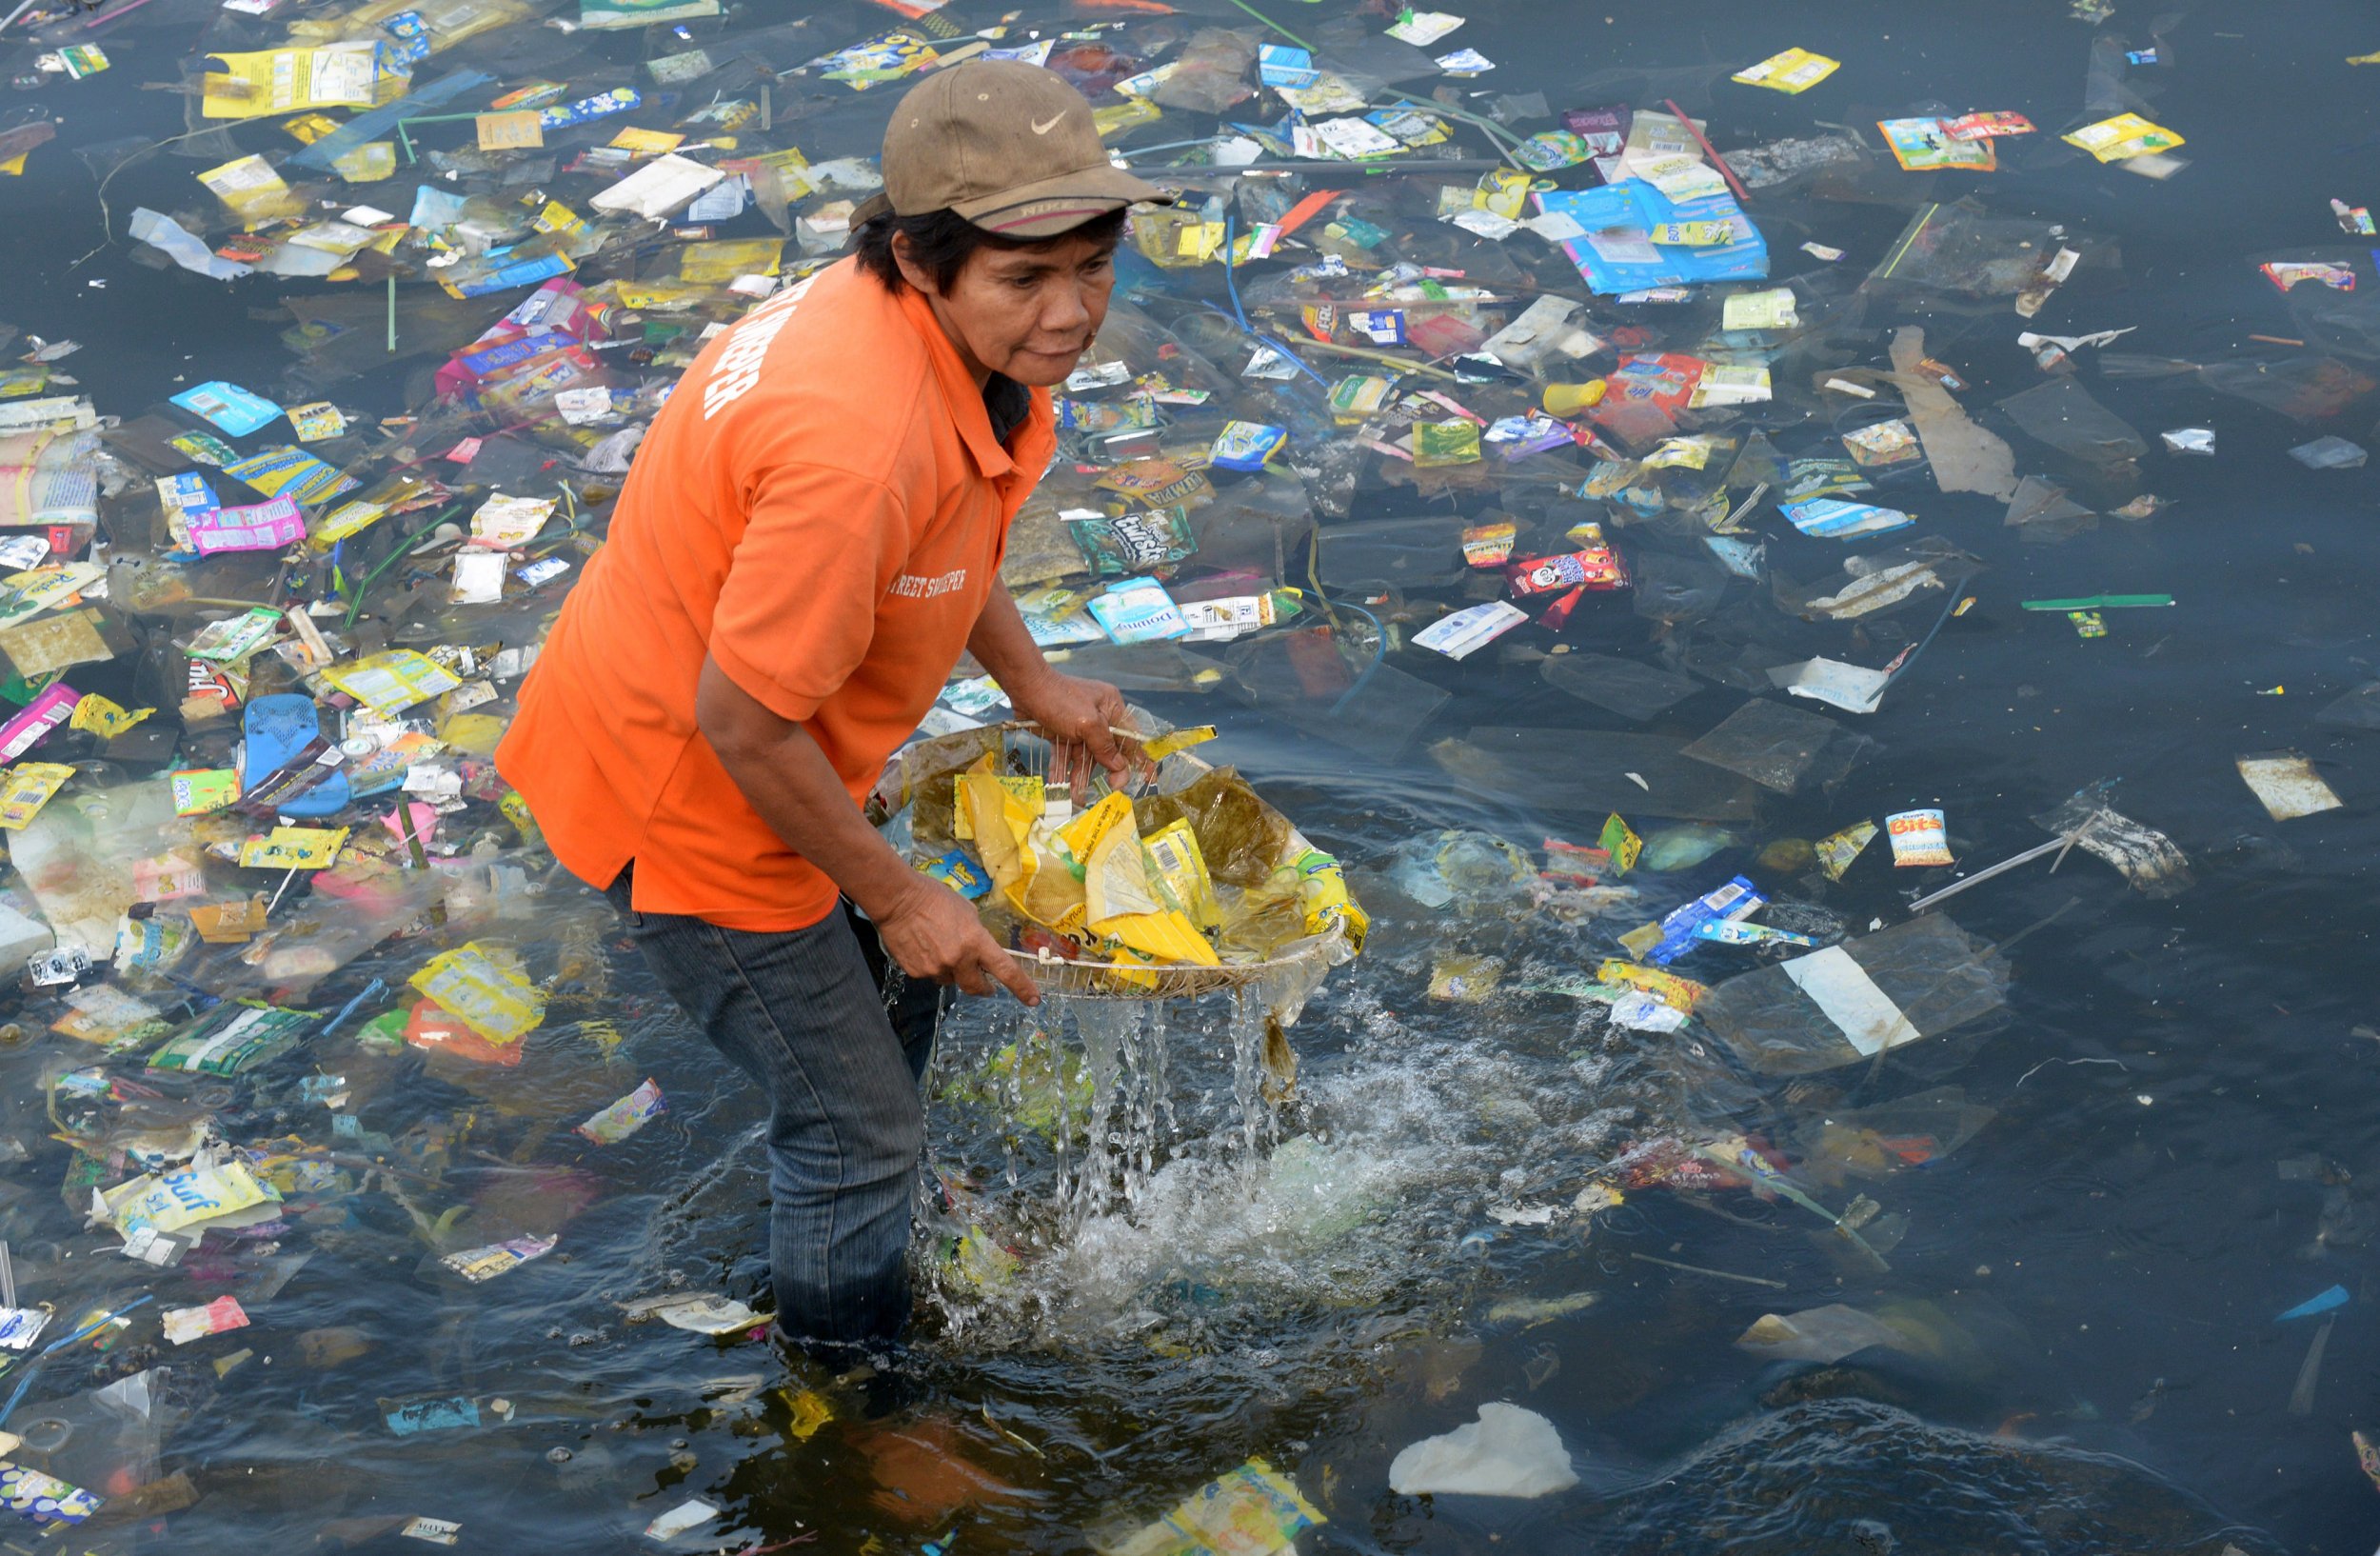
(494, 1259)
(1596, 568)
(1245, 446)
(625, 1117)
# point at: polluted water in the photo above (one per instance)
(1796, 580)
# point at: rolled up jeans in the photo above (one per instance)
(838, 1039)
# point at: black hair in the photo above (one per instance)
(942, 242)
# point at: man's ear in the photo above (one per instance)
(910, 270)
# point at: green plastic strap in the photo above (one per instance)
(2100, 602)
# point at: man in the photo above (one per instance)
(811, 533)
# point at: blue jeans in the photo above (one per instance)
(839, 1041)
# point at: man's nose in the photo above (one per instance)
(1063, 310)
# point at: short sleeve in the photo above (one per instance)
(797, 611)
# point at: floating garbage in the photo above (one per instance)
(1538, 522)
(1508, 1452)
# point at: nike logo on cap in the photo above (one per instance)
(1045, 126)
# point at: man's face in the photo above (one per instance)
(1029, 313)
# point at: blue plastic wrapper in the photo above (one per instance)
(1618, 254)
(1680, 931)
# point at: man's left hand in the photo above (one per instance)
(1081, 717)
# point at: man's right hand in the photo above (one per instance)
(933, 934)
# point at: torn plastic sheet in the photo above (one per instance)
(1964, 456)
(1915, 1131)
(2301, 386)
(1305, 679)
(2148, 859)
(1818, 1334)
(2062, 414)
(2329, 454)
(1957, 249)
(1585, 775)
(1851, 1001)
(2355, 709)
(1780, 747)
(1621, 685)
(183, 247)
(2038, 501)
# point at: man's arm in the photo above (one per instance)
(927, 927)
(1083, 715)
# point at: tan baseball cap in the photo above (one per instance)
(1006, 145)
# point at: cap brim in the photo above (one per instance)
(1057, 206)
(878, 204)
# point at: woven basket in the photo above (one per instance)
(1026, 748)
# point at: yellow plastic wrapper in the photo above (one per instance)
(105, 719)
(1119, 901)
(2126, 135)
(1173, 854)
(308, 128)
(1465, 978)
(1082, 835)
(1124, 962)
(27, 787)
(1322, 890)
(1029, 791)
(251, 190)
(252, 86)
(1836, 851)
(1678, 993)
(1503, 191)
(484, 987)
(392, 680)
(230, 923)
(1620, 841)
(367, 163)
(1254, 1508)
(1161, 747)
(293, 847)
(1054, 896)
(999, 821)
(1794, 72)
(516, 811)
(169, 1201)
(715, 263)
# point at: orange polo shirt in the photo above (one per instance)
(821, 508)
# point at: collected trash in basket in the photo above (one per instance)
(1192, 884)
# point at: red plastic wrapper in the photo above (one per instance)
(1596, 568)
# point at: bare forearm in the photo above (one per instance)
(1003, 645)
(787, 779)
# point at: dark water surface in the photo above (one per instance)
(2183, 1090)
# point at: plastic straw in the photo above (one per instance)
(1708, 149)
